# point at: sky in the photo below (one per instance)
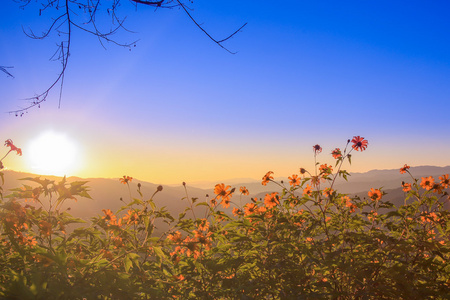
(179, 108)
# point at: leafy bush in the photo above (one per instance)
(305, 241)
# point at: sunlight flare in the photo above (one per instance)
(53, 153)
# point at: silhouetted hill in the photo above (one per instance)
(107, 192)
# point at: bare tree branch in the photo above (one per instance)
(62, 54)
(202, 29)
(3, 69)
(71, 12)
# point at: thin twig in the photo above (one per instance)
(205, 32)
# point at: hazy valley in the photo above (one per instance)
(107, 193)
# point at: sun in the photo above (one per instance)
(53, 153)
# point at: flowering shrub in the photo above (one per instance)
(304, 241)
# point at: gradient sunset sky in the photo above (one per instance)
(179, 108)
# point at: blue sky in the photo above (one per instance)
(177, 107)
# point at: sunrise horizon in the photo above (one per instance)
(314, 74)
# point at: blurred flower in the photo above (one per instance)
(359, 143)
(403, 170)
(266, 178)
(225, 202)
(237, 211)
(372, 215)
(445, 181)
(294, 180)
(271, 200)
(336, 153)
(303, 171)
(117, 242)
(125, 179)
(244, 190)
(307, 190)
(109, 216)
(427, 183)
(179, 277)
(203, 225)
(406, 186)
(348, 203)
(250, 208)
(375, 194)
(30, 241)
(45, 228)
(222, 193)
(131, 217)
(325, 169)
(202, 239)
(175, 237)
(328, 192)
(9, 143)
(317, 149)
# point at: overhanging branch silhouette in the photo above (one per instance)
(69, 19)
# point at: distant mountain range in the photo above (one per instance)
(107, 192)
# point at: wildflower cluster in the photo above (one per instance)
(304, 240)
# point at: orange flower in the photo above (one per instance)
(175, 237)
(317, 149)
(445, 181)
(328, 192)
(345, 200)
(237, 211)
(203, 225)
(261, 210)
(202, 239)
(372, 215)
(109, 216)
(271, 200)
(406, 186)
(179, 277)
(250, 208)
(359, 143)
(125, 179)
(336, 153)
(427, 183)
(375, 194)
(294, 180)
(29, 240)
(325, 169)
(266, 178)
(221, 190)
(307, 190)
(222, 193)
(348, 203)
(9, 143)
(131, 217)
(225, 202)
(404, 169)
(244, 190)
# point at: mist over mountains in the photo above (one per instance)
(107, 193)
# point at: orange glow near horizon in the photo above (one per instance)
(88, 154)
